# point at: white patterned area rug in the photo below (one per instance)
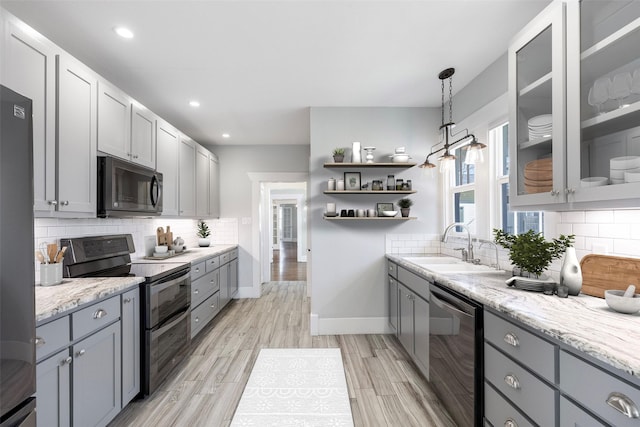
(295, 387)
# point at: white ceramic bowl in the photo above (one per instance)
(161, 249)
(615, 181)
(400, 158)
(619, 303)
(625, 162)
(594, 181)
(389, 213)
(632, 177)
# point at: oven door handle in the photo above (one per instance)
(171, 322)
(449, 307)
(164, 285)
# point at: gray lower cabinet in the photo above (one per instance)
(96, 378)
(405, 324)
(392, 295)
(413, 326)
(130, 320)
(53, 378)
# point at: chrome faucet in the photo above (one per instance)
(489, 242)
(469, 251)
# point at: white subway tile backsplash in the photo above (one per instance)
(616, 231)
(564, 228)
(573, 217)
(581, 229)
(598, 244)
(627, 216)
(599, 217)
(627, 247)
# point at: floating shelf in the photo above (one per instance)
(537, 143)
(369, 192)
(369, 218)
(369, 165)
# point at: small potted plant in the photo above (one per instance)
(530, 253)
(203, 234)
(405, 206)
(338, 155)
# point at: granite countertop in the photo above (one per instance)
(52, 301)
(583, 322)
(192, 255)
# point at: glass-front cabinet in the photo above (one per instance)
(536, 87)
(574, 94)
(603, 102)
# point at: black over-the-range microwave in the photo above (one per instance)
(126, 189)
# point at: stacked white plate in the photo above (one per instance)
(540, 126)
(624, 169)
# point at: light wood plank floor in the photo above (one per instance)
(384, 386)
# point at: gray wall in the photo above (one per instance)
(236, 162)
(348, 264)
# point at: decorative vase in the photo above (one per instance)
(356, 156)
(203, 243)
(570, 273)
(405, 212)
(338, 158)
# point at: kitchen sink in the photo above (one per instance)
(421, 260)
(460, 267)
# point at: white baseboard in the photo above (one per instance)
(349, 325)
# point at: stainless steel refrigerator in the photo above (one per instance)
(17, 293)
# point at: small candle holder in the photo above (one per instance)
(369, 156)
(562, 291)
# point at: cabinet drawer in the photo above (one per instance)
(204, 313)
(525, 347)
(414, 282)
(197, 270)
(499, 412)
(593, 388)
(573, 415)
(225, 258)
(233, 254)
(95, 317)
(392, 269)
(523, 389)
(203, 287)
(212, 263)
(52, 336)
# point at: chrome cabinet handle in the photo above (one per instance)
(99, 314)
(126, 300)
(569, 190)
(197, 270)
(554, 193)
(511, 339)
(52, 202)
(80, 353)
(197, 319)
(135, 156)
(510, 423)
(66, 361)
(512, 381)
(40, 341)
(65, 203)
(623, 404)
(196, 291)
(213, 306)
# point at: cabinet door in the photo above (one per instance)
(214, 186)
(31, 72)
(537, 110)
(96, 377)
(76, 137)
(202, 182)
(143, 136)
(224, 285)
(233, 278)
(130, 345)
(187, 170)
(392, 290)
(53, 385)
(421, 334)
(114, 121)
(167, 165)
(405, 326)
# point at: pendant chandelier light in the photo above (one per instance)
(448, 141)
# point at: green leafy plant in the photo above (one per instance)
(203, 230)
(405, 203)
(530, 251)
(338, 151)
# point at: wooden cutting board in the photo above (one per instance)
(602, 272)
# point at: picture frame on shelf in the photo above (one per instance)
(380, 207)
(352, 181)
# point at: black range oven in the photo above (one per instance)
(165, 297)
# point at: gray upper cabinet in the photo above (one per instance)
(77, 130)
(202, 181)
(32, 72)
(167, 138)
(187, 170)
(130, 322)
(214, 186)
(143, 136)
(114, 121)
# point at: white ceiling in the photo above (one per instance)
(256, 66)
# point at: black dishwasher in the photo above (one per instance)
(455, 354)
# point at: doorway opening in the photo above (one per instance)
(288, 258)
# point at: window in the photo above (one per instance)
(510, 221)
(463, 191)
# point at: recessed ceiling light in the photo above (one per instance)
(226, 135)
(123, 32)
(194, 103)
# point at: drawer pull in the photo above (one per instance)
(40, 341)
(197, 319)
(512, 381)
(196, 291)
(99, 314)
(80, 353)
(66, 361)
(126, 300)
(511, 339)
(213, 306)
(623, 404)
(510, 423)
